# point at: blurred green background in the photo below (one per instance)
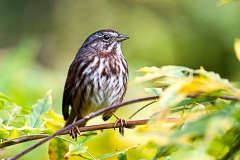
(39, 39)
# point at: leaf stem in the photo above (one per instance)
(141, 109)
(91, 155)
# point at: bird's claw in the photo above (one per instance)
(123, 123)
(74, 134)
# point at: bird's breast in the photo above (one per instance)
(105, 84)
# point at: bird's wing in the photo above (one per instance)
(69, 86)
(71, 80)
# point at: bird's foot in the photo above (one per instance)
(123, 123)
(74, 133)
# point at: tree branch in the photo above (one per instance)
(130, 124)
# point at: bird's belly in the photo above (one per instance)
(102, 92)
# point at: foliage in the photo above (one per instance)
(205, 106)
(197, 115)
(237, 47)
(206, 118)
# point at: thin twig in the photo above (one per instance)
(233, 98)
(141, 109)
(22, 139)
(230, 98)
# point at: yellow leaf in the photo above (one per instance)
(57, 149)
(172, 96)
(200, 85)
(222, 2)
(237, 47)
(153, 73)
(53, 120)
(152, 69)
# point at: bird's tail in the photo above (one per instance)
(71, 119)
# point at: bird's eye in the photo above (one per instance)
(106, 37)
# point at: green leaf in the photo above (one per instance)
(86, 137)
(12, 113)
(34, 118)
(122, 156)
(152, 73)
(4, 97)
(198, 111)
(2, 103)
(26, 129)
(154, 91)
(77, 149)
(85, 157)
(168, 158)
(57, 148)
(163, 151)
(200, 126)
(107, 155)
(3, 133)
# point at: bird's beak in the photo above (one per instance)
(122, 37)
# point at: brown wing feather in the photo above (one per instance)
(69, 84)
(71, 80)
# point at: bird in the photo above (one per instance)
(97, 78)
